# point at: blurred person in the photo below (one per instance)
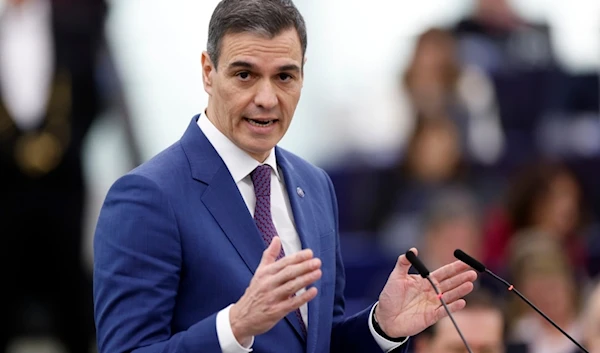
(495, 38)
(433, 73)
(451, 222)
(545, 196)
(455, 126)
(50, 94)
(434, 151)
(538, 99)
(481, 323)
(180, 262)
(439, 84)
(540, 269)
(591, 321)
(433, 162)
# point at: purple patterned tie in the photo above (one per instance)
(261, 178)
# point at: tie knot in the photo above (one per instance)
(261, 178)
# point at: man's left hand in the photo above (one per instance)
(408, 304)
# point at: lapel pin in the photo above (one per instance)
(300, 191)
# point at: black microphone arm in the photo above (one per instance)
(424, 272)
(479, 267)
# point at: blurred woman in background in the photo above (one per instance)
(432, 164)
(545, 197)
(439, 84)
(541, 271)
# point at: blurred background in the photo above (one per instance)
(444, 124)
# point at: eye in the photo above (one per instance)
(285, 77)
(243, 75)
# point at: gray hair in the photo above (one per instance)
(449, 205)
(263, 17)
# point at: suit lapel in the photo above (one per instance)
(222, 197)
(225, 203)
(302, 203)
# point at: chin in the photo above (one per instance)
(258, 150)
(263, 150)
(263, 144)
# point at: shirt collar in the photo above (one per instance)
(239, 163)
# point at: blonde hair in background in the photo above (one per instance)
(534, 252)
(591, 315)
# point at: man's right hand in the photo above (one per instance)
(270, 295)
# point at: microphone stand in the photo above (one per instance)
(437, 291)
(479, 267)
(424, 272)
(512, 288)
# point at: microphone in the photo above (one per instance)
(424, 272)
(479, 267)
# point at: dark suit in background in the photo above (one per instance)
(46, 290)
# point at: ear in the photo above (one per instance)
(208, 71)
(303, 65)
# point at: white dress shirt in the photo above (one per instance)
(240, 165)
(27, 61)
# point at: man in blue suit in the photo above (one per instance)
(180, 260)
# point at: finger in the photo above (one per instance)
(403, 264)
(449, 270)
(458, 292)
(453, 307)
(296, 270)
(453, 282)
(271, 252)
(297, 301)
(292, 259)
(287, 289)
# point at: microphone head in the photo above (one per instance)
(417, 264)
(462, 256)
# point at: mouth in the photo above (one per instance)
(261, 122)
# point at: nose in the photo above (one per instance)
(266, 96)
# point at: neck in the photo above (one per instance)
(210, 114)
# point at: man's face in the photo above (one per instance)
(255, 89)
(462, 232)
(482, 329)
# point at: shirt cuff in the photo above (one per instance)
(384, 344)
(227, 340)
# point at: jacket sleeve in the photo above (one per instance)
(137, 268)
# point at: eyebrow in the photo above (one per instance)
(242, 64)
(247, 65)
(290, 67)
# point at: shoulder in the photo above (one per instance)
(169, 165)
(162, 172)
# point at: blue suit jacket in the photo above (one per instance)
(175, 243)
